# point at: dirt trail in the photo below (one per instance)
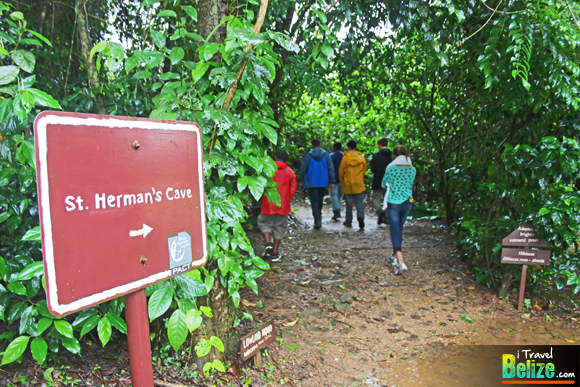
(343, 318)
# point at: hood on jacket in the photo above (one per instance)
(318, 153)
(281, 165)
(354, 158)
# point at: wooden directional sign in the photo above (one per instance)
(259, 339)
(525, 235)
(525, 256)
(121, 205)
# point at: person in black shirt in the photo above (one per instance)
(379, 163)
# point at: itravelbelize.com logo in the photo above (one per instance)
(541, 365)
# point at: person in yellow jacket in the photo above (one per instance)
(352, 177)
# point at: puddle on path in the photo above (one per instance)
(343, 318)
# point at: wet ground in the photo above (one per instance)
(344, 319)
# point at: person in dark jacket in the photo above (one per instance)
(273, 219)
(336, 193)
(379, 163)
(316, 189)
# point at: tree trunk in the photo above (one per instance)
(209, 14)
(506, 282)
(81, 21)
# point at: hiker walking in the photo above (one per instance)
(398, 181)
(317, 173)
(273, 219)
(379, 163)
(336, 193)
(352, 177)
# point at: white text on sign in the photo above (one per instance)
(104, 201)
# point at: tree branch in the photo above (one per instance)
(475, 33)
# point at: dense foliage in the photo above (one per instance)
(486, 98)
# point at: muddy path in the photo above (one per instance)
(344, 319)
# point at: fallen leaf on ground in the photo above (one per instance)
(291, 323)
(248, 303)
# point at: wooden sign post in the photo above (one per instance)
(253, 342)
(525, 236)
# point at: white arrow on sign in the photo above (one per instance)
(144, 231)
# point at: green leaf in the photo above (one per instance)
(64, 328)
(467, 319)
(193, 319)
(177, 329)
(167, 13)
(159, 302)
(202, 348)
(32, 235)
(33, 270)
(71, 344)
(207, 367)
(192, 287)
(41, 37)
(158, 38)
(199, 71)
(217, 342)
(143, 74)
(544, 211)
(90, 324)
(24, 59)
(8, 74)
(206, 310)
(44, 99)
(17, 15)
(104, 330)
(43, 324)
(176, 55)
(327, 50)
(191, 11)
(208, 50)
(17, 288)
(15, 349)
(117, 322)
(39, 349)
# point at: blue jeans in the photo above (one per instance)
(397, 217)
(359, 202)
(316, 199)
(336, 197)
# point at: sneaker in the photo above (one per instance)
(317, 225)
(383, 218)
(400, 268)
(347, 224)
(276, 257)
(268, 248)
(393, 260)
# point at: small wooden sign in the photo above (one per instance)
(525, 256)
(526, 235)
(259, 339)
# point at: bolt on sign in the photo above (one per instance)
(121, 205)
(525, 236)
(253, 342)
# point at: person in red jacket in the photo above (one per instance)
(273, 219)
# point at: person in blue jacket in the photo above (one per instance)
(317, 173)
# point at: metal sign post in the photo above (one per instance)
(525, 236)
(121, 204)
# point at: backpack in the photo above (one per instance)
(318, 172)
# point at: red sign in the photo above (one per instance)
(525, 256)
(121, 205)
(259, 339)
(525, 235)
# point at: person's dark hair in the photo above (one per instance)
(282, 155)
(315, 142)
(401, 150)
(383, 141)
(351, 144)
(337, 145)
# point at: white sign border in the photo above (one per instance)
(41, 124)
